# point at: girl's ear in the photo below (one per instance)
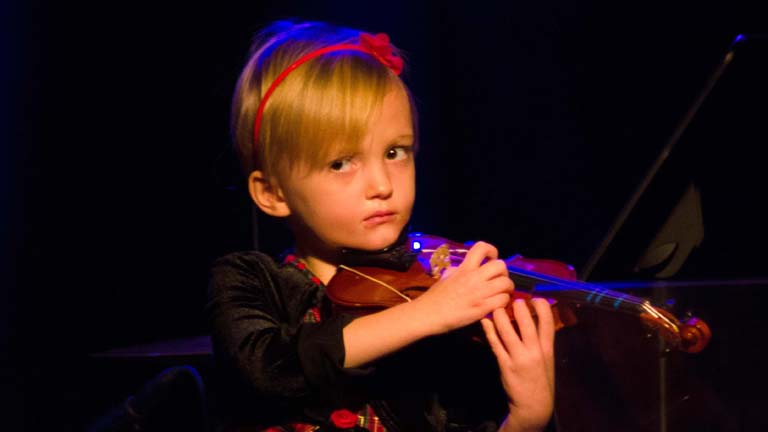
(267, 195)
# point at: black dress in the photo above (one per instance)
(275, 366)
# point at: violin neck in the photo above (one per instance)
(577, 292)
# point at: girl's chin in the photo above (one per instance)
(376, 243)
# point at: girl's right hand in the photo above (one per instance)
(467, 293)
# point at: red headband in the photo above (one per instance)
(378, 46)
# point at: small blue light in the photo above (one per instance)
(416, 245)
(738, 39)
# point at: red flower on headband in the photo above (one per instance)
(379, 46)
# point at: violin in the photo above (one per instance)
(367, 283)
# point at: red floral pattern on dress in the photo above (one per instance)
(343, 419)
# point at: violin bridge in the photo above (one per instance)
(440, 260)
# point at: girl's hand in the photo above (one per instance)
(526, 362)
(467, 293)
(464, 295)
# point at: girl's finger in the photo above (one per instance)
(498, 285)
(497, 301)
(494, 269)
(525, 322)
(546, 322)
(478, 253)
(493, 340)
(546, 337)
(506, 332)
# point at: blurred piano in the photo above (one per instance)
(692, 236)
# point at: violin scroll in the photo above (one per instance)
(694, 335)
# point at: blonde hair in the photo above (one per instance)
(321, 109)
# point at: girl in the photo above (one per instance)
(326, 131)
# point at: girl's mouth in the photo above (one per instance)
(379, 218)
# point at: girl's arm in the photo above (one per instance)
(526, 362)
(255, 310)
(464, 295)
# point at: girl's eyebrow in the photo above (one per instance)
(403, 136)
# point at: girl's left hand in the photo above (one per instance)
(526, 362)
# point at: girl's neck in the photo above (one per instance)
(322, 269)
(322, 264)
(321, 259)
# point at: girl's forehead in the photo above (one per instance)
(390, 120)
(338, 121)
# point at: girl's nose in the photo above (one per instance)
(379, 184)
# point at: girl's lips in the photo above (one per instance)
(379, 218)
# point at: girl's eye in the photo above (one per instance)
(397, 153)
(341, 165)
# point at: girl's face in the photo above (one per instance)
(361, 200)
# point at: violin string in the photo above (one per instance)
(583, 288)
(668, 322)
(427, 250)
(618, 299)
(595, 295)
(372, 279)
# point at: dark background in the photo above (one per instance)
(537, 122)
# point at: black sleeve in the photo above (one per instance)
(256, 311)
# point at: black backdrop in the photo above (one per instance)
(537, 121)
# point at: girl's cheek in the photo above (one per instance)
(347, 176)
